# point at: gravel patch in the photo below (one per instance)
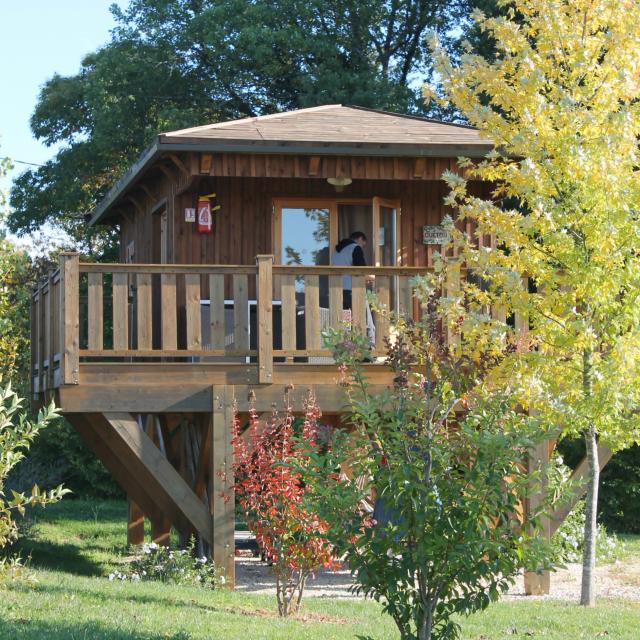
(617, 580)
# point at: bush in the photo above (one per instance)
(270, 489)
(568, 540)
(156, 562)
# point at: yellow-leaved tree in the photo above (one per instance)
(560, 100)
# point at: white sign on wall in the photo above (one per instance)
(434, 234)
(189, 214)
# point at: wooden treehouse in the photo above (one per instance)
(223, 288)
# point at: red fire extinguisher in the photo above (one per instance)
(204, 213)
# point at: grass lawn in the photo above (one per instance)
(74, 545)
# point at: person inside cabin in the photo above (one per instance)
(349, 252)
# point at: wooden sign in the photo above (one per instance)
(434, 234)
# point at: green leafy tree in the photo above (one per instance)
(561, 101)
(443, 455)
(189, 62)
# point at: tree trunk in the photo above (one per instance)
(588, 594)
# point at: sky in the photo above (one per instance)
(37, 39)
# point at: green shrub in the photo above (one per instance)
(568, 540)
(180, 566)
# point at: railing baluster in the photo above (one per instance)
(194, 328)
(335, 301)
(169, 311)
(288, 312)
(144, 311)
(265, 318)
(358, 303)
(216, 309)
(95, 312)
(46, 299)
(312, 312)
(240, 313)
(405, 297)
(34, 342)
(120, 310)
(382, 317)
(70, 318)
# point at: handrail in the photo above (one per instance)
(301, 270)
(87, 310)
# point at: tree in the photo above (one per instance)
(270, 491)
(177, 64)
(443, 453)
(561, 102)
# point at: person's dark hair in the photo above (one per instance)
(356, 235)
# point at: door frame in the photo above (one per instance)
(332, 205)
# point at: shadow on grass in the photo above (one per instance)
(57, 557)
(36, 630)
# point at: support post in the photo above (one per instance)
(135, 525)
(265, 319)
(222, 498)
(537, 583)
(69, 317)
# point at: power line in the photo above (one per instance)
(33, 164)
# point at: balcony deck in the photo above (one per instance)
(159, 338)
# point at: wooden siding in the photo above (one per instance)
(243, 225)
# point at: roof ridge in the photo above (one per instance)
(268, 116)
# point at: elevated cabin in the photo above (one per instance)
(224, 286)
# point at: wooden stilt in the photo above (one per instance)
(538, 583)
(135, 524)
(223, 500)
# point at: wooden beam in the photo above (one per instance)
(265, 318)
(69, 317)
(537, 583)
(135, 524)
(178, 162)
(223, 499)
(206, 162)
(172, 494)
(92, 435)
(578, 479)
(314, 165)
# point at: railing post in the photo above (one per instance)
(69, 317)
(265, 318)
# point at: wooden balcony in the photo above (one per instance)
(156, 337)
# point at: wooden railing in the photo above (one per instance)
(258, 314)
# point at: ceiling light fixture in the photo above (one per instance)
(339, 183)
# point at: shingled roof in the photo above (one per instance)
(333, 129)
(337, 125)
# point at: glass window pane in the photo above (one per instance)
(305, 236)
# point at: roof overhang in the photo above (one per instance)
(165, 144)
